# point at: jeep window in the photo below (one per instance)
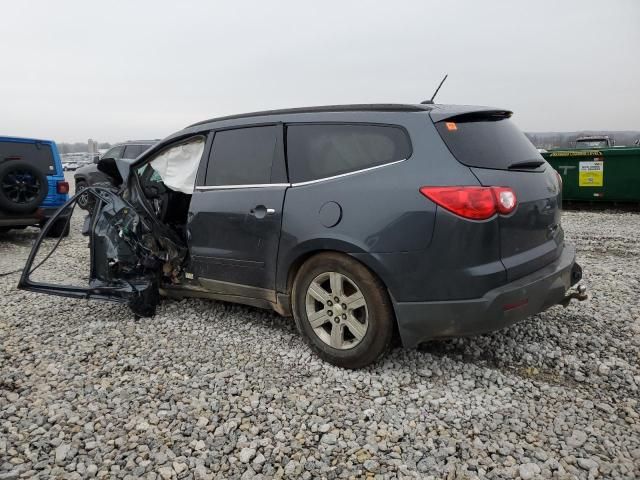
(323, 150)
(36, 154)
(134, 151)
(242, 156)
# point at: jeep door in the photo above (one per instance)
(235, 215)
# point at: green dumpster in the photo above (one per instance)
(606, 174)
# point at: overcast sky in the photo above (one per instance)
(116, 70)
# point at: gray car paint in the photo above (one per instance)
(424, 255)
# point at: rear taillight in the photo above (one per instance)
(475, 203)
(62, 187)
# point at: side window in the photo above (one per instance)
(243, 156)
(324, 150)
(133, 151)
(115, 152)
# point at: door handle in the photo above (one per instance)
(260, 211)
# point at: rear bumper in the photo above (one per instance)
(37, 217)
(498, 308)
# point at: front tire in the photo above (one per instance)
(342, 310)
(85, 200)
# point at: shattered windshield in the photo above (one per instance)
(176, 166)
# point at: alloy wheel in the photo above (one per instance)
(337, 310)
(83, 199)
(20, 186)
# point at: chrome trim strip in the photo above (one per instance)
(299, 184)
(234, 187)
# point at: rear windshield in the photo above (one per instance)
(487, 142)
(38, 155)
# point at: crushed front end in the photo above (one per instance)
(131, 254)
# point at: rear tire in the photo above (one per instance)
(351, 337)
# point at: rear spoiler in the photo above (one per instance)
(468, 112)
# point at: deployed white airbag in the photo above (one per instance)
(177, 166)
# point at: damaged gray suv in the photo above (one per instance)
(363, 222)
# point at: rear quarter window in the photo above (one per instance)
(36, 154)
(495, 142)
(316, 151)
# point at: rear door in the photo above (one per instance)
(499, 154)
(235, 214)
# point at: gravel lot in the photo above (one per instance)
(213, 390)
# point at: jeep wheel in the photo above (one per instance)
(342, 310)
(22, 187)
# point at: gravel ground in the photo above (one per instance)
(213, 390)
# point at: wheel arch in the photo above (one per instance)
(289, 267)
(81, 179)
(289, 262)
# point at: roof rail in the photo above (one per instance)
(365, 107)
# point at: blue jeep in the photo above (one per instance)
(32, 184)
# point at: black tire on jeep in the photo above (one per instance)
(342, 310)
(23, 187)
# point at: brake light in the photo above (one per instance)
(62, 187)
(475, 203)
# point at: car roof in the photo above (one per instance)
(364, 107)
(437, 111)
(25, 140)
(136, 142)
